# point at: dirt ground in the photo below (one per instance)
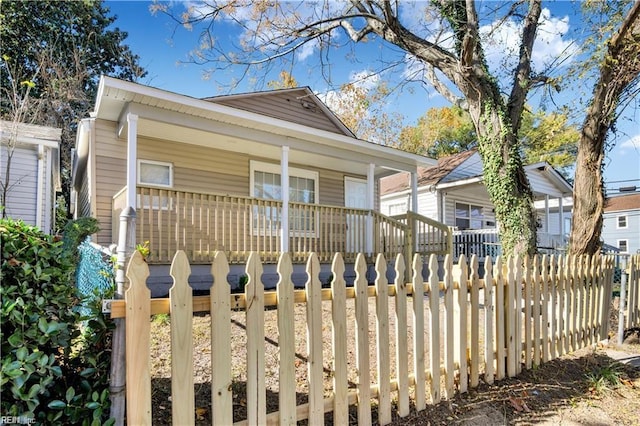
(586, 387)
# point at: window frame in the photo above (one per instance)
(626, 221)
(273, 168)
(142, 162)
(626, 243)
(471, 219)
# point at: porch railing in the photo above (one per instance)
(428, 235)
(201, 223)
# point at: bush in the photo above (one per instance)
(55, 368)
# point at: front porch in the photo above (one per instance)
(203, 223)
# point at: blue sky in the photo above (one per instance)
(162, 45)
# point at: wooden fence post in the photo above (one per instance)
(434, 331)
(448, 331)
(402, 345)
(286, 341)
(489, 315)
(254, 296)
(313, 290)
(362, 341)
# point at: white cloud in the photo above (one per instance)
(632, 144)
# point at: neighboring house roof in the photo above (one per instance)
(622, 202)
(307, 106)
(426, 176)
(465, 168)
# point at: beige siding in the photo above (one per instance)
(286, 106)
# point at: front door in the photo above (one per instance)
(355, 196)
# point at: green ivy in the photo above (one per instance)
(55, 363)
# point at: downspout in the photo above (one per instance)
(126, 243)
(39, 189)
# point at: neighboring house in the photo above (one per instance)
(621, 223)
(34, 178)
(208, 174)
(453, 192)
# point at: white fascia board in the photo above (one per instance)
(461, 182)
(174, 102)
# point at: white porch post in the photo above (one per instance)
(132, 148)
(561, 218)
(414, 192)
(284, 182)
(546, 220)
(370, 206)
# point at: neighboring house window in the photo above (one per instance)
(623, 245)
(468, 216)
(266, 182)
(622, 222)
(157, 174)
(397, 209)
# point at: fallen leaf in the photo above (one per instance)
(200, 413)
(519, 405)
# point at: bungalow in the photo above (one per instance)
(31, 155)
(269, 172)
(452, 192)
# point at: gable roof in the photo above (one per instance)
(622, 202)
(426, 176)
(297, 104)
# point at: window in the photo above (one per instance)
(158, 174)
(266, 182)
(623, 245)
(468, 216)
(622, 222)
(397, 209)
(155, 173)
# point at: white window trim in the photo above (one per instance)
(276, 169)
(158, 163)
(626, 243)
(626, 221)
(293, 172)
(483, 219)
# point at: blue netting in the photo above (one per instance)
(94, 274)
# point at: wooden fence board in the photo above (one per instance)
(462, 339)
(544, 308)
(339, 327)
(382, 341)
(402, 340)
(256, 392)
(137, 340)
(362, 341)
(449, 327)
(474, 342)
(182, 397)
(221, 396)
(517, 332)
(286, 341)
(314, 340)
(535, 312)
(434, 332)
(418, 334)
(528, 291)
(489, 315)
(500, 320)
(510, 317)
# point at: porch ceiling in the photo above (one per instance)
(316, 156)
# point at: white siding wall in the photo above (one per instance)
(611, 234)
(22, 195)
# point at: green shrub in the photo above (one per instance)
(55, 363)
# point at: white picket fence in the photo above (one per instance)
(523, 312)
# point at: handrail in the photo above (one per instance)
(428, 235)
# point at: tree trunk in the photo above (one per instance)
(506, 182)
(620, 68)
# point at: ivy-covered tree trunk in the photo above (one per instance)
(505, 179)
